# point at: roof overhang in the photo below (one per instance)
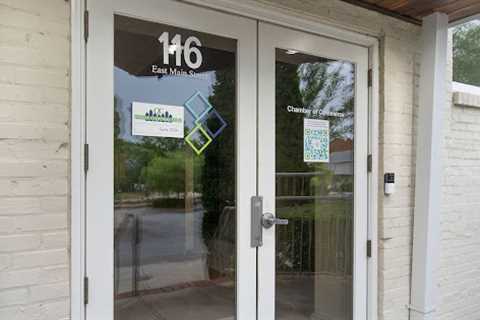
(415, 10)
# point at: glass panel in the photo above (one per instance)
(175, 175)
(466, 53)
(314, 186)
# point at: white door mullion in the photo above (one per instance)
(266, 172)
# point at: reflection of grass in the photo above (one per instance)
(128, 196)
(155, 200)
(144, 196)
(323, 210)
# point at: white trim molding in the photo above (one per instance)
(373, 105)
(465, 95)
(426, 228)
(465, 88)
(462, 99)
(464, 20)
(77, 176)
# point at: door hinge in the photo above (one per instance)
(370, 77)
(86, 156)
(369, 248)
(85, 290)
(86, 25)
(369, 163)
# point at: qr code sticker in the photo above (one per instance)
(316, 141)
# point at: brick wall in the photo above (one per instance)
(459, 272)
(34, 153)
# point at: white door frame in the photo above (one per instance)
(270, 38)
(99, 210)
(247, 8)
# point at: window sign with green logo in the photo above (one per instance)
(157, 120)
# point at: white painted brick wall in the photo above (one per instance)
(460, 245)
(34, 154)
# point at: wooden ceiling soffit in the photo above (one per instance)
(414, 10)
(382, 10)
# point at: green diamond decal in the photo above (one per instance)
(202, 144)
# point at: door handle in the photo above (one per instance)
(261, 220)
(256, 238)
(268, 220)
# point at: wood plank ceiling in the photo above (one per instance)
(415, 10)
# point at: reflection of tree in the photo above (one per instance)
(138, 161)
(166, 173)
(319, 87)
(164, 145)
(288, 126)
(298, 86)
(218, 184)
(328, 87)
(321, 182)
(466, 54)
(119, 169)
(129, 158)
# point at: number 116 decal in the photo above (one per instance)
(189, 49)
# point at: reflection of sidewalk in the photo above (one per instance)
(313, 297)
(162, 235)
(213, 302)
(175, 287)
(160, 275)
(172, 277)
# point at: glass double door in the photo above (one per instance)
(191, 120)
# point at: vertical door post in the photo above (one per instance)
(426, 231)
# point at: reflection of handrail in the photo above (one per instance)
(133, 224)
(346, 196)
(315, 246)
(300, 174)
(134, 246)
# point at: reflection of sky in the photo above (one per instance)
(171, 90)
